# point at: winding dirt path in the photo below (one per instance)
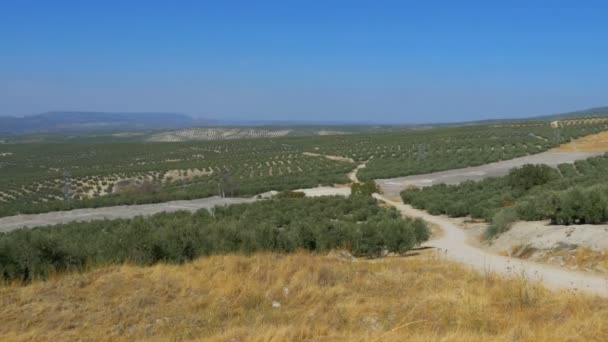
(453, 244)
(353, 174)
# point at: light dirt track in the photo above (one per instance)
(110, 213)
(454, 246)
(394, 186)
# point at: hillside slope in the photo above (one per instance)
(277, 297)
(70, 122)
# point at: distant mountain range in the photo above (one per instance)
(89, 122)
(77, 122)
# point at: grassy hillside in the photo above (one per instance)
(230, 298)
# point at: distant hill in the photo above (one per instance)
(591, 112)
(75, 122)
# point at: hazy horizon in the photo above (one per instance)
(360, 61)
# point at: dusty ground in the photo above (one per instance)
(335, 158)
(353, 174)
(325, 191)
(591, 143)
(394, 186)
(129, 211)
(193, 134)
(575, 247)
(455, 244)
(297, 297)
(125, 211)
(582, 247)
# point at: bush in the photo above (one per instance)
(502, 221)
(290, 194)
(364, 189)
(529, 175)
(581, 206)
(280, 225)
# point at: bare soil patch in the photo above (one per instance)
(335, 158)
(591, 143)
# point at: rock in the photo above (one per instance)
(557, 260)
(342, 255)
(372, 322)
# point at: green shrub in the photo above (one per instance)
(502, 221)
(529, 175)
(290, 194)
(364, 189)
(280, 225)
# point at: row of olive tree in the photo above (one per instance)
(280, 225)
(570, 194)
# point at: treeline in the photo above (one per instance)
(571, 194)
(281, 225)
(34, 174)
(187, 191)
(459, 147)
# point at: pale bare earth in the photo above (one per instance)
(193, 134)
(453, 244)
(110, 213)
(591, 143)
(334, 158)
(353, 174)
(130, 211)
(394, 186)
(574, 247)
(325, 191)
(542, 235)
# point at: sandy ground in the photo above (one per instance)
(325, 191)
(591, 143)
(129, 211)
(353, 174)
(334, 158)
(394, 186)
(542, 235)
(453, 244)
(583, 247)
(193, 134)
(109, 213)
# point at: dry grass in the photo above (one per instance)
(580, 258)
(591, 143)
(229, 298)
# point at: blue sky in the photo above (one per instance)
(382, 61)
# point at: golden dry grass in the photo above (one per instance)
(591, 143)
(581, 258)
(229, 298)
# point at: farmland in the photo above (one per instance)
(42, 177)
(298, 256)
(278, 225)
(570, 193)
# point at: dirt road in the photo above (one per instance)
(353, 174)
(109, 213)
(129, 211)
(393, 186)
(453, 244)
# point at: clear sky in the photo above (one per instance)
(384, 61)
